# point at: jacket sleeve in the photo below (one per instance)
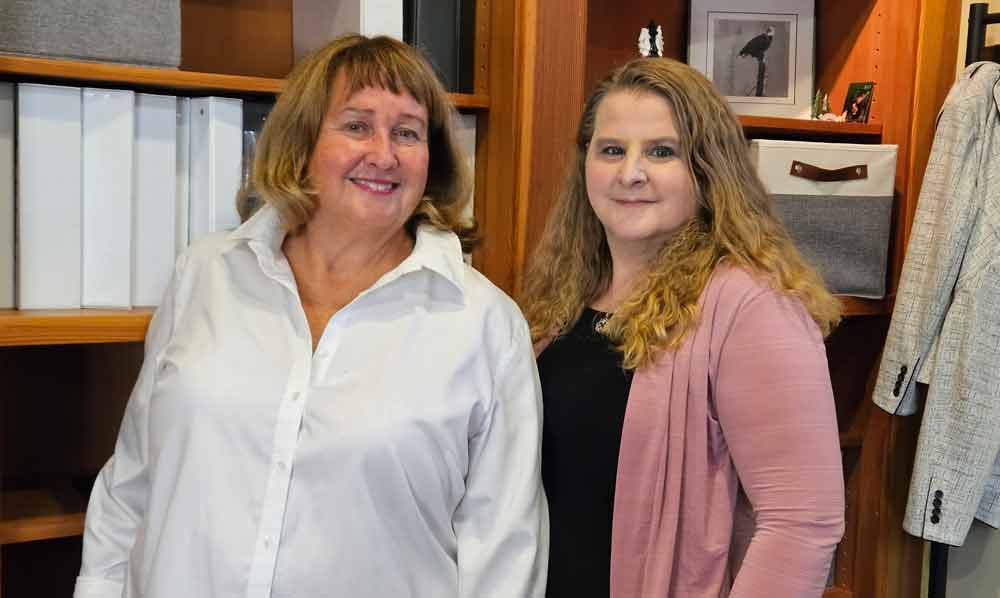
(775, 406)
(502, 522)
(947, 208)
(118, 500)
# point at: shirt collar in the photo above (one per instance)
(436, 250)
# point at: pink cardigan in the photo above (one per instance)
(745, 402)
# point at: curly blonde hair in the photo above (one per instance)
(571, 266)
(281, 164)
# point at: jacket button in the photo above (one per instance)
(936, 502)
(938, 494)
(935, 519)
(902, 371)
(895, 391)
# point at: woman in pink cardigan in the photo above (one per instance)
(682, 362)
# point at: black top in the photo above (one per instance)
(584, 391)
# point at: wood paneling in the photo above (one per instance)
(555, 83)
(614, 37)
(237, 37)
(481, 77)
(498, 134)
(939, 28)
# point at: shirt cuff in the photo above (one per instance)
(97, 587)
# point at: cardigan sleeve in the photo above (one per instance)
(775, 406)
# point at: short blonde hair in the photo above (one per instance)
(735, 223)
(281, 165)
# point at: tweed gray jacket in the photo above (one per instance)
(943, 346)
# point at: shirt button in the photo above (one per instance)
(321, 354)
(294, 397)
(267, 542)
(281, 465)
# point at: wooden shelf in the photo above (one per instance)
(72, 71)
(76, 326)
(851, 439)
(72, 326)
(40, 514)
(767, 126)
(856, 306)
(165, 78)
(838, 593)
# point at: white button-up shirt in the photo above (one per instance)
(401, 459)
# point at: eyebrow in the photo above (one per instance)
(664, 139)
(369, 112)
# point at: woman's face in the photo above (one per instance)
(637, 182)
(369, 165)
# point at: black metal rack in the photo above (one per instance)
(979, 18)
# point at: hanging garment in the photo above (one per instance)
(944, 338)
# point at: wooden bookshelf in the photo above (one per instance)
(856, 306)
(767, 126)
(72, 326)
(97, 73)
(40, 514)
(838, 593)
(76, 326)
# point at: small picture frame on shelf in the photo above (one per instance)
(758, 53)
(858, 101)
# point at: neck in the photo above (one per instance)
(334, 253)
(627, 266)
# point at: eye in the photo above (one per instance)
(661, 152)
(356, 127)
(408, 135)
(612, 151)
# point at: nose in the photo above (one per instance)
(382, 152)
(632, 172)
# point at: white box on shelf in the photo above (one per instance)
(108, 136)
(215, 159)
(49, 222)
(183, 164)
(316, 22)
(154, 198)
(7, 195)
(835, 199)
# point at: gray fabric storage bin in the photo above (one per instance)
(145, 32)
(836, 201)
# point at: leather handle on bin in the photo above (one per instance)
(815, 173)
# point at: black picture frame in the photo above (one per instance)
(858, 101)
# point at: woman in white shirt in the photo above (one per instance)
(332, 403)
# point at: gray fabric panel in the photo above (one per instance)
(845, 237)
(146, 32)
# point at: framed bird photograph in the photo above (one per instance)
(758, 53)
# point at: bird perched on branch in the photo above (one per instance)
(758, 45)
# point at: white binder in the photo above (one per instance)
(216, 155)
(49, 128)
(465, 136)
(316, 22)
(108, 135)
(154, 198)
(6, 195)
(183, 173)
